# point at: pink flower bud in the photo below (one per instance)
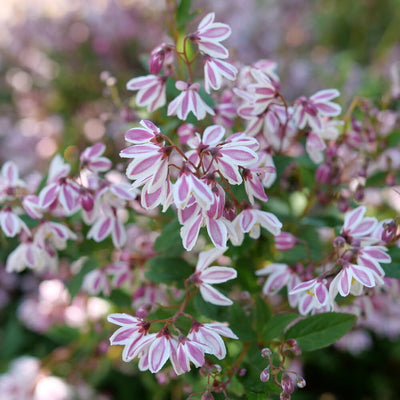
(285, 241)
(300, 382)
(323, 173)
(242, 372)
(339, 242)
(87, 201)
(342, 204)
(287, 384)
(389, 231)
(207, 396)
(266, 352)
(142, 311)
(264, 376)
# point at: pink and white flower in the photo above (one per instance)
(214, 71)
(151, 91)
(209, 335)
(92, 159)
(311, 111)
(208, 36)
(188, 101)
(314, 295)
(205, 275)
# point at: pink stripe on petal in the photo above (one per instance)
(362, 275)
(122, 319)
(353, 217)
(138, 135)
(344, 282)
(159, 352)
(213, 296)
(303, 286)
(213, 135)
(218, 274)
(321, 293)
(48, 195)
(195, 354)
(217, 231)
(247, 220)
(190, 232)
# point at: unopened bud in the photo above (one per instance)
(339, 242)
(300, 382)
(359, 193)
(285, 241)
(142, 311)
(287, 384)
(342, 204)
(389, 231)
(284, 396)
(293, 346)
(264, 376)
(242, 372)
(207, 396)
(266, 352)
(323, 174)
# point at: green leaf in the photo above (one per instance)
(240, 323)
(168, 270)
(170, 241)
(277, 324)
(183, 15)
(320, 330)
(392, 270)
(75, 284)
(217, 313)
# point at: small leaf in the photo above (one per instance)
(168, 270)
(320, 330)
(277, 324)
(392, 270)
(170, 242)
(209, 310)
(240, 323)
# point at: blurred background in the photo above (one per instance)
(65, 64)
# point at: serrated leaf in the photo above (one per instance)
(277, 325)
(168, 270)
(320, 330)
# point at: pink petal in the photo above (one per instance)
(213, 296)
(218, 274)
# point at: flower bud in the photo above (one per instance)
(142, 311)
(242, 372)
(87, 201)
(264, 376)
(300, 382)
(389, 231)
(342, 204)
(339, 242)
(207, 396)
(266, 352)
(323, 173)
(285, 241)
(287, 384)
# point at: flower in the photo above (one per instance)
(310, 111)
(205, 275)
(92, 160)
(188, 101)
(151, 91)
(208, 36)
(214, 70)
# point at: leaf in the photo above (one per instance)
(168, 270)
(170, 241)
(75, 284)
(277, 324)
(183, 15)
(240, 323)
(320, 330)
(392, 270)
(217, 313)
